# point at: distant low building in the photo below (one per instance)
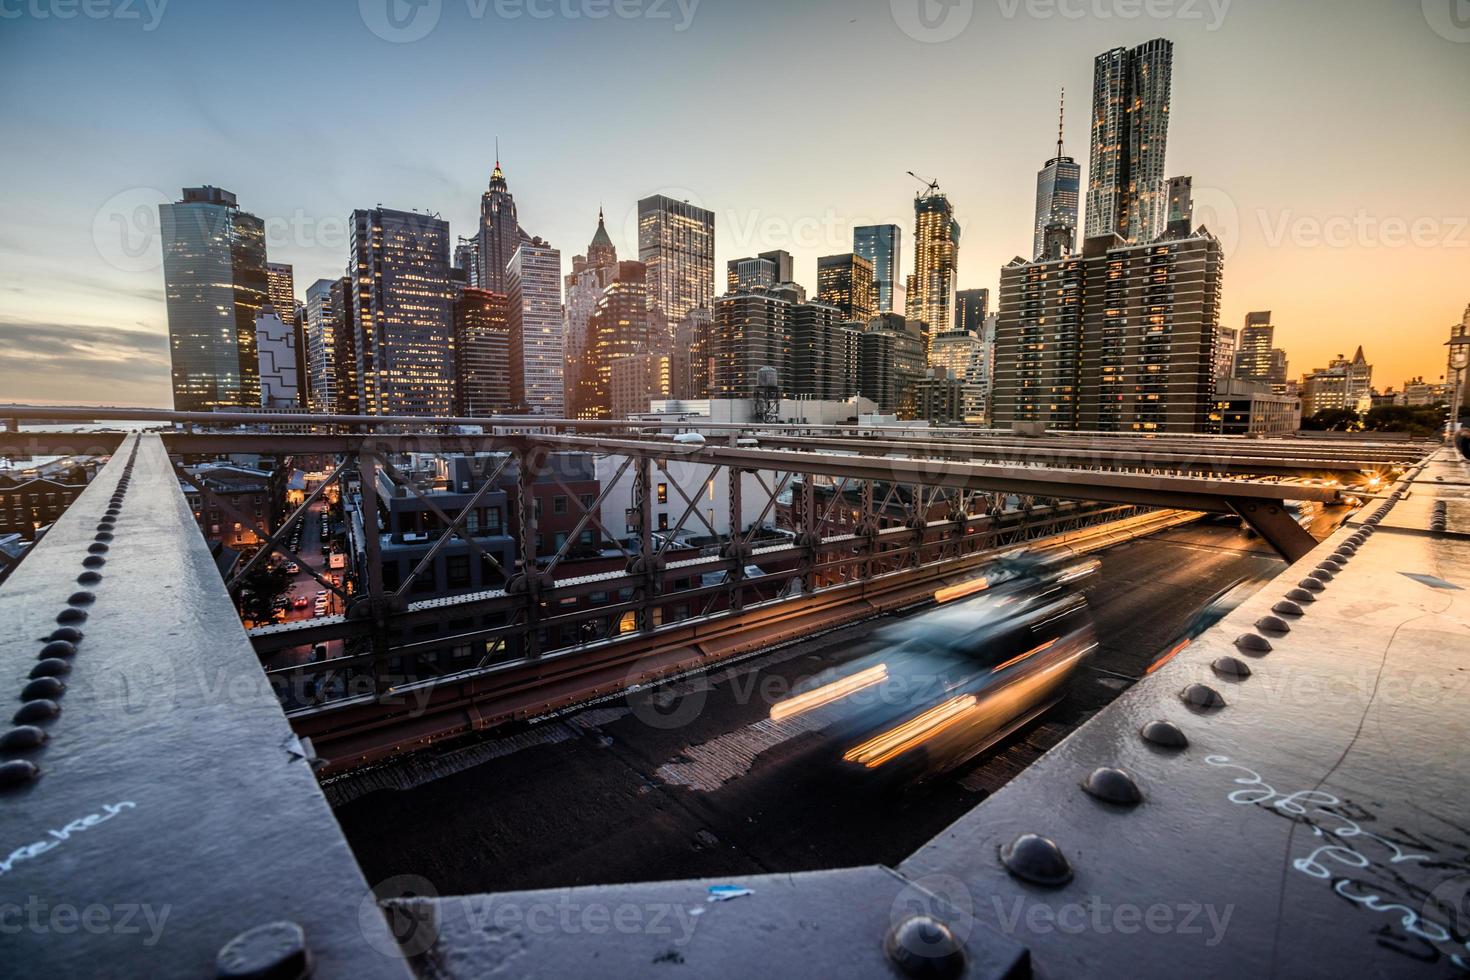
(28, 505)
(1344, 385)
(1246, 408)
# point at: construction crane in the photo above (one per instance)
(931, 185)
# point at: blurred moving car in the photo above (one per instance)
(950, 682)
(1220, 605)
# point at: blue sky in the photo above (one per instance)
(1329, 139)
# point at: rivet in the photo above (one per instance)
(68, 633)
(1231, 667)
(18, 771)
(1036, 859)
(40, 709)
(1253, 642)
(1287, 608)
(89, 578)
(1165, 734)
(276, 950)
(43, 687)
(23, 737)
(51, 667)
(1303, 595)
(1311, 585)
(81, 599)
(1272, 624)
(72, 615)
(93, 561)
(106, 526)
(923, 946)
(58, 648)
(98, 548)
(1202, 696)
(1321, 575)
(102, 536)
(1112, 785)
(1330, 565)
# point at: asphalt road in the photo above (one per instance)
(692, 780)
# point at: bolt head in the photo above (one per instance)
(1272, 624)
(1232, 668)
(922, 946)
(1164, 734)
(1112, 785)
(1202, 697)
(274, 951)
(1036, 859)
(41, 709)
(17, 771)
(22, 737)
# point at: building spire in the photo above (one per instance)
(497, 176)
(1061, 116)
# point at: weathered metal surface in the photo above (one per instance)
(169, 780)
(848, 923)
(1316, 822)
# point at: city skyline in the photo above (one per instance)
(1338, 259)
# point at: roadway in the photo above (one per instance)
(620, 791)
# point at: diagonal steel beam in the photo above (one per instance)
(454, 530)
(285, 525)
(255, 528)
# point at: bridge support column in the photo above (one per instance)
(377, 608)
(1269, 519)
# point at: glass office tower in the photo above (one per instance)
(214, 280)
(881, 245)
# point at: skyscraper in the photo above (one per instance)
(404, 323)
(846, 282)
(971, 307)
(344, 324)
(936, 257)
(467, 259)
(1181, 207)
(275, 346)
(215, 283)
(881, 245)
(1126, 193)
(676, 240)
(590, 275)
(281, 288)
(323, 320)
(1058, 184)
(500, 232)
(1257, 359)
(1118, 338)
(618, 328)
(891, 363)
(481, 353)
(769, 269)
(537, 346)
(281, 291)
